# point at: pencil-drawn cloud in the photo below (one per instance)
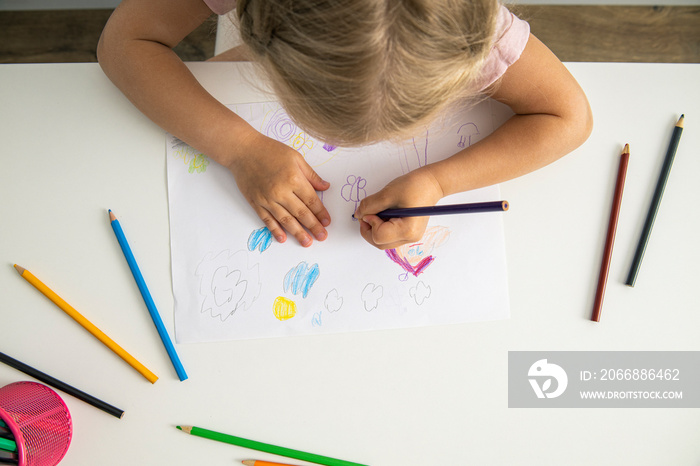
(371, 294)
(420, 292)
(333, 302)
(227, 283)
(301, 278)
(260, 239)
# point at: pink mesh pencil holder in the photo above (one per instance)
(39, 420)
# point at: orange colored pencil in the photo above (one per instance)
(87, 325)
(262, 463)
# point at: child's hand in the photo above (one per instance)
(280, 186)
(415, 189)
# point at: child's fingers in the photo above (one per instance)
(289, 222)
(271, 223)
(314, 178)
(307, 217)
(318, 211)
(374, 203)
(310, 198)
(392, 233)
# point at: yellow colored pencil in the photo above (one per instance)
(89, 326)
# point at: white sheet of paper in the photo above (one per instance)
(232, 281)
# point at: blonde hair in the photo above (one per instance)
(355, 72)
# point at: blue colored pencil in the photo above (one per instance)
(473, 208)
(147, 297)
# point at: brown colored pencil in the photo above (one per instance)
(610, 240)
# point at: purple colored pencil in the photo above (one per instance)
(473, 208)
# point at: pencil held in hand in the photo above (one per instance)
(450, 209)
(610, 239)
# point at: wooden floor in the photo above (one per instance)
(651, 34)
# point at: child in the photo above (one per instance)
(351, 73)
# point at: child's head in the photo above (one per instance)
(359, 71)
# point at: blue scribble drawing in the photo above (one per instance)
(333, 302)
(371, 294)
(329, 147)
(316, 319)
(301, 278)
(260, 239)
(468, 130)
(354, 190)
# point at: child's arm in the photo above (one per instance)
(552, 119)
(135, 51)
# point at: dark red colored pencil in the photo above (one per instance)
(612, 227)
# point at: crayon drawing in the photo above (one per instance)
(465, 132)
(353, 190)
(260, 239)
(284, 308)
(227, 283)
(333, 301)
(414, 258)
(371, 294)
(420, 292)
(301, 278)
(195, 161)
(232, 280)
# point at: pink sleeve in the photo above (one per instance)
(221, 7)
(512, 34)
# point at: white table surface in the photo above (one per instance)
(73, 146)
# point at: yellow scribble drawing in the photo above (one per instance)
(301, 142)
(277, 125)
(283, 308)
(196, 161)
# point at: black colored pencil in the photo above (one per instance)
(655, 202)
(64, 387)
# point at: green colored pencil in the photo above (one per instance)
(265, 447)
(7, 445)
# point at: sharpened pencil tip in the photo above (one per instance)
(680, 121)
(178, 427)
(20, 270)
(248, 462)
(626, 150)
(112, 217)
